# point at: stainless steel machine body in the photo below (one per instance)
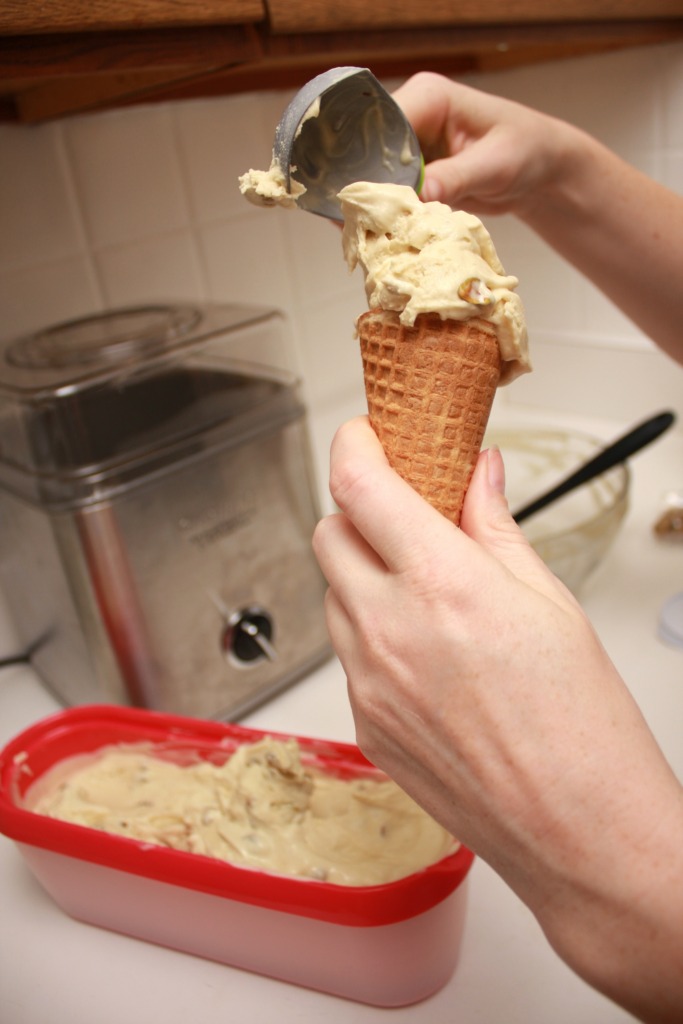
(156, 508)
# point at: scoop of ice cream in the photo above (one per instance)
(269, 188)
(427, 258)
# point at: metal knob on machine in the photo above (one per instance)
(247, 638)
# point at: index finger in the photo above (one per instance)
(440, 111)
(424, 101)
(386, 511)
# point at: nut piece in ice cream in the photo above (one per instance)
(444, 330)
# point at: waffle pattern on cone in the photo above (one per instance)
(429, 391)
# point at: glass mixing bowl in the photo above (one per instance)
(573, 534)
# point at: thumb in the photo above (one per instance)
(444, 181)
(487, 520)
(478, 177)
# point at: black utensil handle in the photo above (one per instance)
(612, 455)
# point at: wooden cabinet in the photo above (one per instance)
(351, 15)
(35, 16)
(71, 56)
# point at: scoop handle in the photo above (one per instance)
(620, 450)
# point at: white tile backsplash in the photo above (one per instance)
(550, 288)
(617, 382)
(160, 267)
(315, 253)
(40, 222)
(672, 98)
(672, 166)
(45, 293)
(127, 173)
(330, 351)
(246, 259)
(615, 96)
(218, 140)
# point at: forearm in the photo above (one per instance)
(583, 818)
(611, 899)
(619, 228)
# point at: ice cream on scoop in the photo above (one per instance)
(445, 328)
(269, 188)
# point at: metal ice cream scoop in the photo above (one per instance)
(341, 127)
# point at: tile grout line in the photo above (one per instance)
(192, 213)
(65, 155)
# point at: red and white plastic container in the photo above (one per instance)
(388, 945)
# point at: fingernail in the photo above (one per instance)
(495, 469)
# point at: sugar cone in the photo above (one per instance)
(429, 390)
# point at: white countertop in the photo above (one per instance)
(56, 970)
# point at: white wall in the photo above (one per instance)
(142, 204)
